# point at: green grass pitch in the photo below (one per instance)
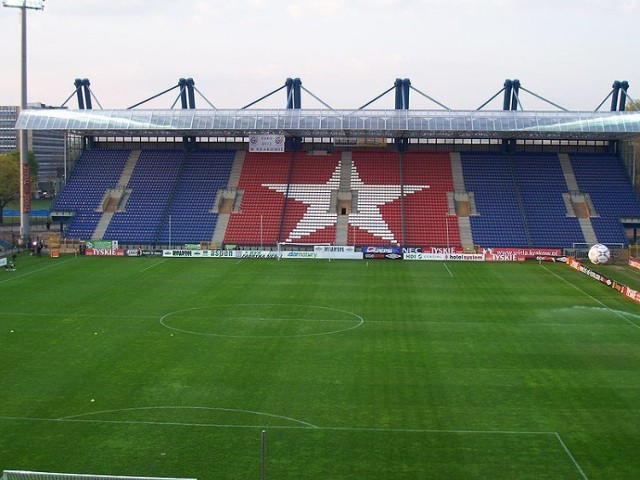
(376, 370)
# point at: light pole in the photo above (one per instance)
(25, 172)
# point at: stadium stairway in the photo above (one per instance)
(499, 221)
(572, 184)
(606, 183)
(125, 176)
(308, 215)
(464, 223)
(234, 180)
(588, 231)
(191, 214)
(95, 172)
(542, 186)
(342, 225)
(257, 222)
(428, 217)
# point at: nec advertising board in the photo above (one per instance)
(633, 263)
(442, 250)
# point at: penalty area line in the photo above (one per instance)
(153, 265)
(447, 267)
(571, 457)
(308, 426)
(13, 277)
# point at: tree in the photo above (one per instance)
(10, 178)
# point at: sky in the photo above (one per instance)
(346, 52)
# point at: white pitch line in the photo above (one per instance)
(83, 315)
(592, 298)
(182, 407)
(276, 319)
(398, 322)
(13, 276)
(445, 266)
(153, 265)
(573, 460)
(305, 426)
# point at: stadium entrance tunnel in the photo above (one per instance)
(261, 321)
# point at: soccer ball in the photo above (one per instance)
(599, 254)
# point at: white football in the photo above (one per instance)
(599, 254)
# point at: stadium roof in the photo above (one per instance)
(543, 125)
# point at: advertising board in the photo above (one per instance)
(619, 287)
(432, 249)
(104, 252)
(464, 257)
(424, 256)
(504, 252)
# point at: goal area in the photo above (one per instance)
(27, 475)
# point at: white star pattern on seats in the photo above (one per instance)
(318, 197)
(369, 199)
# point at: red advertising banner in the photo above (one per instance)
(26, 188)
(633, 263)
(104, 252)
(502, 256)
(621, 288)
(525, 252)
(632, 294)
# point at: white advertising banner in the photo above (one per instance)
(266, 143)
(464, 257)
(185, 253)
(331, 248)
(304, 255)
(256, 254)
(424, 256)
(347, 254)
(341, 255)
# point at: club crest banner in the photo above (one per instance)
(266, 143)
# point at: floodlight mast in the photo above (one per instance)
(25, 173)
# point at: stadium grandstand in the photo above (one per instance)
(248, 177)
